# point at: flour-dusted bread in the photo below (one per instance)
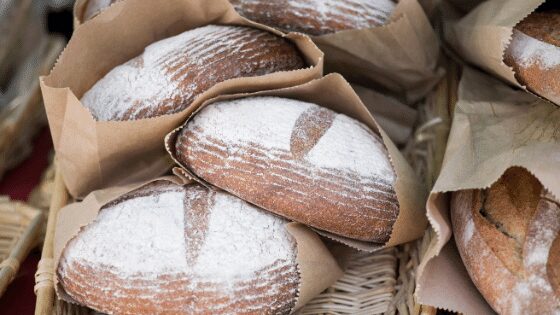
(169, 75)
(167, 249)
(534, 54)
(298, 160)
(509, 239)
(317, 17)
(94, 7)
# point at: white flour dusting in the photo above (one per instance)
(528, 51)
(269, 122)
(142, 236)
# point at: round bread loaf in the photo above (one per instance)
(534, 54)
(168, 249)
(509, 239)
(316, 17)
(298, 160)
(94, 7)
(169, 75)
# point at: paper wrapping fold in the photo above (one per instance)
(335, 93)
(95, 154)
(494, 128)
(400, 58)
(482, 36)
(317, 267)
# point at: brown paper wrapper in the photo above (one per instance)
(317, 267)
(335, 93)
(494, 128)
(396, 118)
(400, 58)
(482, 36)
(95, 154)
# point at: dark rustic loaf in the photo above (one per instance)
(534, 54)
(168, 249)
(94, 7)
(316, 17)
(509, 239)
(170, 74)
(298, 160)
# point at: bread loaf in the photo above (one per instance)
(534, 54)
(298, 160)
(167, 249)
(508, 238)
(169, 75)
(94, 7)
(316, 17)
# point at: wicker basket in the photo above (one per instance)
(21, 227)
(377, 283)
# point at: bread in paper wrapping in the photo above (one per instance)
(93, 154)
(298, 160)
(313, 141)
(506, 235)
(194, 249)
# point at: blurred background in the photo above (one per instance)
(32, 34)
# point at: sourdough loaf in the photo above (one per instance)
(94, 7)
(168, 249)
(316, 17)
(169, 75)
(508, 237)
(296, 159)
(534, 54)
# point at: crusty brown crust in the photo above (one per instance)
(506, 266)
(304, 16)
(335, 200)
(540, 79)
(194, 66)
(271, 290)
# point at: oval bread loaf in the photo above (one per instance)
(316, 17)
(298, 160)
(509, 239)
(170, 74)
(534, 54)
(168, 249)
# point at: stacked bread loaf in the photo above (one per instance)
(296, 159)
(534, 53)
(509, 239)
(169, 249)
(317, 17)
(170, 74)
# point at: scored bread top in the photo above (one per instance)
(167, 248)
(316, 17)
(296, 159)
(505, 235)
(169, 75)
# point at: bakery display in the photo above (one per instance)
(509, 239)
(94, 7)
(534, 54)
(170, 249)
(317, 17)
(296, 159)
(170, 74)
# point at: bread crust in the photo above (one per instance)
(184, 286)
(277, 154)
(513, 275)
(170, 74)
(316, 17)
(534, 54)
